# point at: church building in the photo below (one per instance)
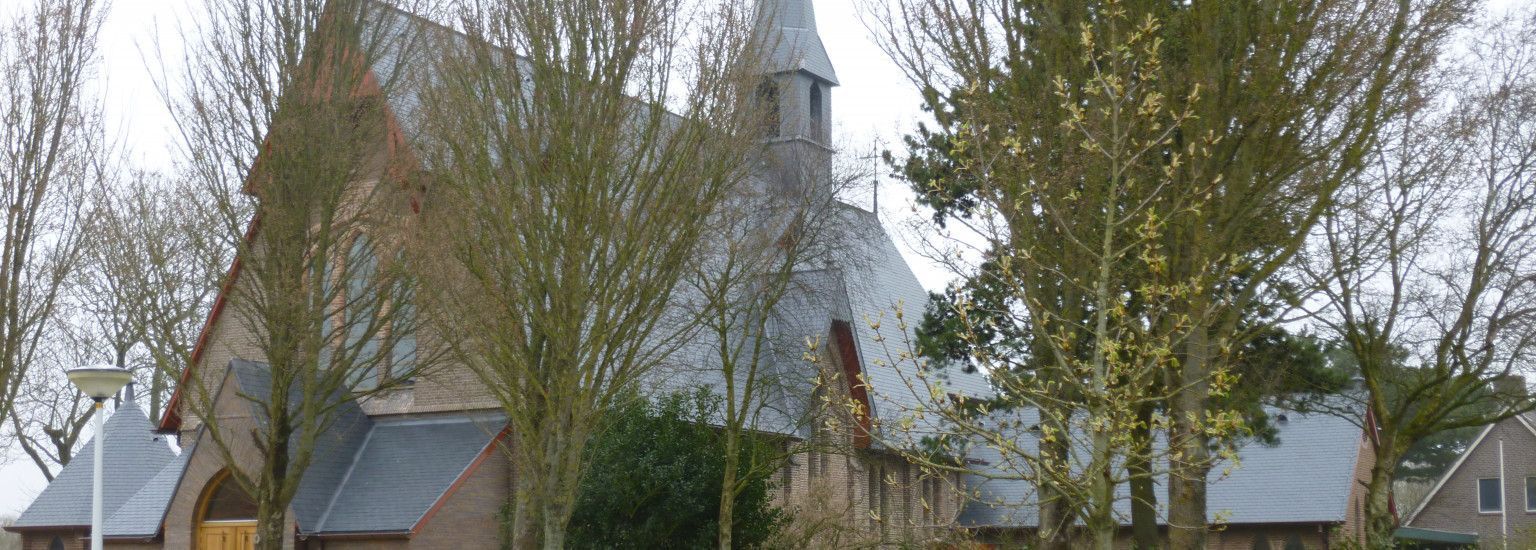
(422, 466)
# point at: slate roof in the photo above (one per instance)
(878, 284)
(789, 27)
(420, 459)
(865, 286)
(143, 513)
(342, 492)
(140, 465)
(1306, 477)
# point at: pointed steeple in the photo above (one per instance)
(788, 29)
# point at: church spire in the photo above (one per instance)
(789, 32)
(797, 92)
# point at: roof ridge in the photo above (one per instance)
(345, 477)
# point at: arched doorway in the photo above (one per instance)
(226, 517)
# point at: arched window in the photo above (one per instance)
(816, 121)
(229, 502)
(768, 101)
(372, 325)
(226, 515)
(57, 544)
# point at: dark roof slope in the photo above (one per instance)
(403, 469)
(1304, 478)
(134, 455)
(142, 514)
(334, 448)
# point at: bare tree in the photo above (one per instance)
(153, 265)
(51, 413)
(1425, 264)
(760, 276)
(50, 149)
(149, 269)
(576, 152)
(283, 121)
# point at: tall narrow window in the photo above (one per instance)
(875, 496)
(906, 495)
(789, 479)
(1530, 494)
(768, 101)
(1490, 495)
(402, 353)
(362, 310)
(816, 118)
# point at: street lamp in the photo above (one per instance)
(99, 383)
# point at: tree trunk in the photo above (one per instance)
(554, 532)
(1055, 516)
(270, 527)
(1144, 534)
(728, 489)
(271, 508)
(1103, 523)
(1379, 521)
(1187, 473)
(524, 534)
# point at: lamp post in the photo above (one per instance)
(99, 383)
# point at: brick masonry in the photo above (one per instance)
(1454, 507)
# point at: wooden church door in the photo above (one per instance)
(227, 517)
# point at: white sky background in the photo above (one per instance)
(872, 109)
(874, 104)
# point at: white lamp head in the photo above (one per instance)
(99, 382)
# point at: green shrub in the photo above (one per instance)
(653, 479)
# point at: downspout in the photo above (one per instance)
(1503, 502)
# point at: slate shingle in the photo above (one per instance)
(403, 468)
(134, 455)
(1306, 477)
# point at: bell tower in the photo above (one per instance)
(796, 91)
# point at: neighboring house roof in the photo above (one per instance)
(1527, 420)
(1306, 477)
(1415, 534)
(140, 467)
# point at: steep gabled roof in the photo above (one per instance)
(879, 283)
(865, 287)
(1527, 420)
(138, 462)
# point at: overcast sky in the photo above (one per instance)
(873, 104)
